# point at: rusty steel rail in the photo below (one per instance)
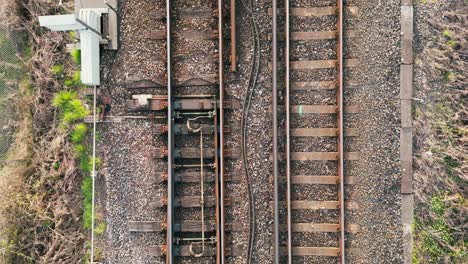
(275, 136)
(220, 185)
(340, 121)
(339, 133)
(233, 36)
(218, 138)
(170, 144)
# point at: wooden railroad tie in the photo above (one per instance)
(194, 177)
(194, 153)
(181, 226)
(184, 251)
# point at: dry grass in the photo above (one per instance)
(441, 135)
(41, 214)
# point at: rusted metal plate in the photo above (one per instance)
(181, 226)
(184, 250)
(194, 177)
(321, 132)
(194, 153)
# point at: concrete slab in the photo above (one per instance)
(407, 205)
(406, 177)
(406, 81)
(406, 2)
(406, 34)
(112, 17)
(406, 144)
(406, 118)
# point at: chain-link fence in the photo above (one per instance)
(11, 74)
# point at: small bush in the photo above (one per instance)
(78, 133)
(87, 191)
(58, 70)
(68, 83)
(100, 228)
(447, 33)
(77, 78)
(437, 205)
(76, 56)
(73, 35)
(72, 109)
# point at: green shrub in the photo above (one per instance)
(100, 228)
(87, 192)
(58, 70)
(71, 107)
(80, 150)
(447, 33)
(77, 78)
(78, 133)
(76, 56)
(68, 83)
(437, 205)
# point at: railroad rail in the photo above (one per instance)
(194, 108)
(297, 177)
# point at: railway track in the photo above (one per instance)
(192, 101)
(313, 162)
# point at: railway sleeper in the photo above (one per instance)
(194, 153)
(181, 129)
(187, 13)
(311, 251)
(191, 201)
(316, 109)
(319, 132)
(318, 205)
(149, 102)
(184, 250)
(206, 79)
(314, 11)
(309, 156)
(181, 226)
(194, 177)
(316, 179)
(321, 228)
(316, 64)
(187, 34)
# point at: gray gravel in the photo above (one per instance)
(127, 173)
